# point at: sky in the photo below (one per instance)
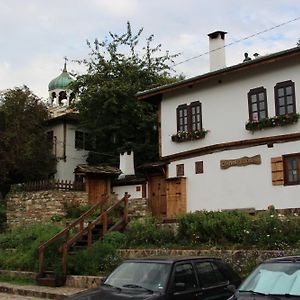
(36, 35)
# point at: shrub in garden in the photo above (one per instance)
(210, 227)
(19, 247)
(147, 232)
(101, 257)
(115, 238)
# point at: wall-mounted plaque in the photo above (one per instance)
(243, 161)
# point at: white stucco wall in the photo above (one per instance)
(225, 107)
(224, 114)
(237, 187)
(130, 189)
(65, 167)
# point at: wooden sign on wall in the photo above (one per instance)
(243, 161)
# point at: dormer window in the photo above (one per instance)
(189, 117)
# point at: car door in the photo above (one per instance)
(213, 283)
(184, 284)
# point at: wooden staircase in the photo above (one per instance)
(81, 234)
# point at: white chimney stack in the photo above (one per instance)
(126, 164)
(217, 50)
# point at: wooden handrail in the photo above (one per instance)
(102, 218)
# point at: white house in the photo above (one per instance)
(70, 143)
(232, 135)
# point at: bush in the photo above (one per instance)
(268, 230)
(146, 231)
(101, 257)
(115, 238)
(19, 247)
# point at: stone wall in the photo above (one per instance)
(243, 261)
(30, 207)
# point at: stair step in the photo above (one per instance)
(49, 278)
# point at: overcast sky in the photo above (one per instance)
(36, 35)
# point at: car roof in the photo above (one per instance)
(171, 259)
(294, 258)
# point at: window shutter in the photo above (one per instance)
(277, 170)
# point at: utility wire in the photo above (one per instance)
(237, 41)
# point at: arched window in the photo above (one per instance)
(62, 96)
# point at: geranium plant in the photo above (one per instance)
(182, 136)
(272, 122)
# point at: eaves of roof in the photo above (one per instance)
(69, 117)
(263, 60)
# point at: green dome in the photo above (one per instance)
(61, 82)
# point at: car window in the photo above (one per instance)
(184, 277)
(150, 275)
(209, 274)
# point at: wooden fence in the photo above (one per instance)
(54, 185)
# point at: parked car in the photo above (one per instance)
(166, 278)
(278, 278)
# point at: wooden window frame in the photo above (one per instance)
(199, 167)
(284, 85)
(255, 92)
(286, 159)
(180, 170)
(191, 124)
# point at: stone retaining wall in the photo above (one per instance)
(29, 207)
(25, 208)
(243, 261)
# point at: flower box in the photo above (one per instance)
(272, 122)
(182, 136)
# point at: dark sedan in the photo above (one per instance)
(166, 278)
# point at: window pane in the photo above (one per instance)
(289, 100)
(253, 98)
(290, 109)
(261, 105)
(288, 90)
(261, 96)
(255, 116)
(262, 115)
(254, 107)
(280, 92)
(184, 274)
(281, 111)
(281, 101)
(180, 113)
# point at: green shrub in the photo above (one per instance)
(146, 231)
(101, 257)
(19, 247)
(268, 229)
(115, 238)
(75, 210)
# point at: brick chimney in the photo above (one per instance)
(217, 50)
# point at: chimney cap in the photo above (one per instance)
(215, 34)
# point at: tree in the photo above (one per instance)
(116, 70)
(25, 154)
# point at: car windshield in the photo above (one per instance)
(148, 275)
(276, 278)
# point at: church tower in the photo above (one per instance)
(59, 92)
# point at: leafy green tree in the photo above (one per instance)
(25, 154)
(117, 69)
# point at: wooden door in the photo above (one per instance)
(96, 188)
(157, 196)
(175, 196)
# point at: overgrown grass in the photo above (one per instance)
(17, 280)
